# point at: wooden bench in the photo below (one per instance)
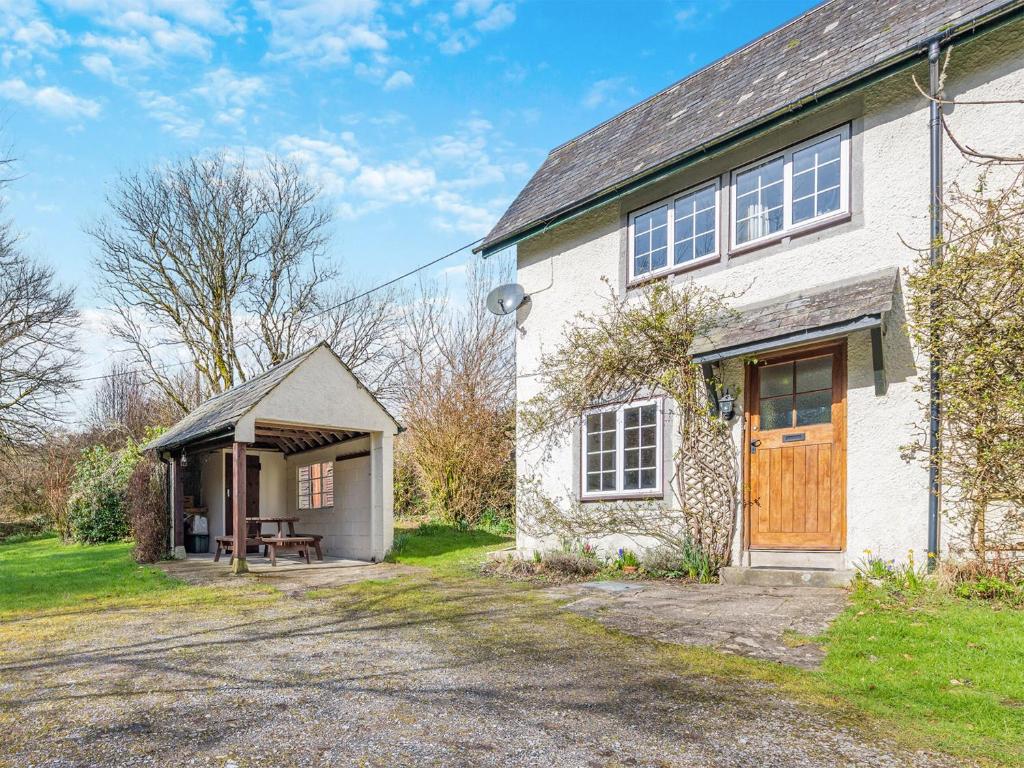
(317, 538)
(227, 544)
(300, 543)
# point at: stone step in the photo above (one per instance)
(785, 577)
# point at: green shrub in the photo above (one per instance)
(147, 512)
(496, 523)
(991, 588)
(397, 545)
(12, 532)
(97, 506)
(690, 563)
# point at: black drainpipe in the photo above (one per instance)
(935, 131)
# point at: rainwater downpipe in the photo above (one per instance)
(935, 254)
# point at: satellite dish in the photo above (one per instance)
(506, 299)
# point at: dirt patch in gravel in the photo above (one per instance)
(412, 671)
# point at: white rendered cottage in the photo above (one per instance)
(789, 170)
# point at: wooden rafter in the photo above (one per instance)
(293, 440)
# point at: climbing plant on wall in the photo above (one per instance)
(637, 347)
(968, 311)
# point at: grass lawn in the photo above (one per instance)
(444, 548)
(45, 574)
(943, 672)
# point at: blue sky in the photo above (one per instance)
(421, 120)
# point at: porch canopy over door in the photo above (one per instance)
(309, 401)
(827, 312)
(794, 455)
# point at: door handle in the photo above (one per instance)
(754, 445)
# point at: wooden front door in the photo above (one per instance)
(796, 450)
(252, 491)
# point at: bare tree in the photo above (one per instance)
(38, 353)
(457, 400)
(126, 404)
(216, 260)
(365, 331)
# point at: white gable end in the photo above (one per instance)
(319, 392)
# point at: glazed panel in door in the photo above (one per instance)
(797, 458)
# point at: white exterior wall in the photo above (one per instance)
(887, 499)
(347, 527)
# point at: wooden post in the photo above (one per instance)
(239, 470)
(177, 504)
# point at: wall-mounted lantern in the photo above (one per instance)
(726, 404)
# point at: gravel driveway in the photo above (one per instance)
(415, 671)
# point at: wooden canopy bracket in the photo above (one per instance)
(878, 361)
(709, 383)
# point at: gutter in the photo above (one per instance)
(898, 63)
(934, 257)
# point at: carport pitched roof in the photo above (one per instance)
(221, 412)
(831, 46)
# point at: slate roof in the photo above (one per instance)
(861, 301)
(221, 412)
(832, 45)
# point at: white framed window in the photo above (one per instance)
(316, 485)
(621, 450)
(799, 187)
(674, 232)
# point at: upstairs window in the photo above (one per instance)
(799, 187)
(622, 451)
(674, 232)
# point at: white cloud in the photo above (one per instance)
(323, 32)
(481, 16)
(604, 91)
(129, 48)
(499, 17)
(39, 34)
(700, 15)
(463, 216)
(685, 17)
(51, 99)
(208, 15)
(100, 65)
(454, 176)
(143, 32)
(24, 34)
(398, 79)
(170, 114)
(395, 182)
(327, 162)
(230, 93)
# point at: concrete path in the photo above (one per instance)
(773, 623)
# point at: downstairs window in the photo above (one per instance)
(622, 451)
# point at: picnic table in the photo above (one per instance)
(273, 543)
(280, 521)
